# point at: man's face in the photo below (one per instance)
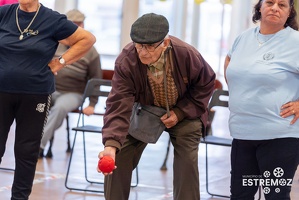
(150, 53)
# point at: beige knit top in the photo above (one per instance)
(156, 80)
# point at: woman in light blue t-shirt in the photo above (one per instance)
(262, 73)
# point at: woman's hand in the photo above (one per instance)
(79, 42)
(55, 65)
(290, 108)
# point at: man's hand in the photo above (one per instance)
(170, 121)
(108, 151)
(89, 110)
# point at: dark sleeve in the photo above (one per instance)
(201, 78)
(119, 102)
(64, 27)
(2, 9)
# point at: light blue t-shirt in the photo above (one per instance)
(261, 78)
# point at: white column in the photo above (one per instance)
(195, 25)
(63, 6)
(241, 18)
(297, 8)
(179, 14)
(130, 12)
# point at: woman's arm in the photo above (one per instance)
(79, 42)
(226, 62)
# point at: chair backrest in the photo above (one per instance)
(94, 88)
(218, 84)
(219, 98)
(107, 74)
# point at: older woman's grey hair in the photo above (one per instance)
(291, 21)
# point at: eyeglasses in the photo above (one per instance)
(148, 47)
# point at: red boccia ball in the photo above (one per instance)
(106, 164)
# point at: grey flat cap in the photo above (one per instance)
(149, 28)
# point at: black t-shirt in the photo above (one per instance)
(24, 63)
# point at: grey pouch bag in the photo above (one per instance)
(145, 123)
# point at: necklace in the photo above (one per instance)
(26, 29)
(267, 38)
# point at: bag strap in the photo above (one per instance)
(165, 81)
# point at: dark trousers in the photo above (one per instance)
(29, 113)
(185, 137)
(268, 163)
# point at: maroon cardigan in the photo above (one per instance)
(193, 76)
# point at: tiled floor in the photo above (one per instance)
(154, 184)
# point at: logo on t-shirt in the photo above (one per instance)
(41, 107)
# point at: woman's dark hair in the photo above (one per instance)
(291, 21)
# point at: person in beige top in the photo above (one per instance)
(70, 83)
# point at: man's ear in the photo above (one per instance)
(166, 42)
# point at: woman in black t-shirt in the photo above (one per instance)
(29, 34)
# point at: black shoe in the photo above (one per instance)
(41, 153)
(49, 154)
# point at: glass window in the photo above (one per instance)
(161, 7)
(213, 34)
(214, 25)
(103, 19)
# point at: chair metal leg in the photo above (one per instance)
(68, 134)
(85, 167)
(85, 163)
(7, 169)
(137, 178)
(164, 167)
(207, 180)
(85, 170)
(68, 171)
